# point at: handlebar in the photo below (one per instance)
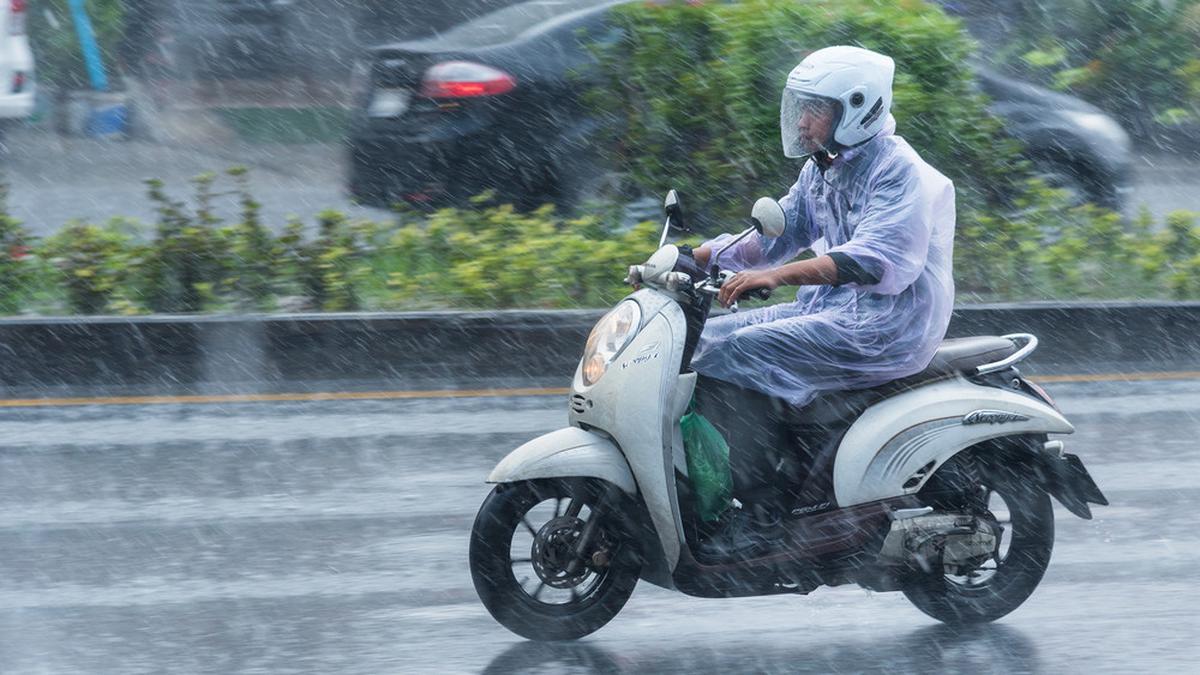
(713, 289)
(758, 294)
(751, 294)
(687, 276)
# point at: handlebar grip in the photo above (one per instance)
(759, 294)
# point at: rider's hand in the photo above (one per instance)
(743, 282)
(702, 254)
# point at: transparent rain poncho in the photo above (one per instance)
(891, 213)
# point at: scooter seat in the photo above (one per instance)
(954, 356)
(966, 354)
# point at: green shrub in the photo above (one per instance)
(494, 256)
(16, 269)
(1050, 250)
(185, 269)
(93, 262)
(1181, 242)
(331, 267)
(692, 95)
(252, 249)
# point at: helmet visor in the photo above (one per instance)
(806, 123)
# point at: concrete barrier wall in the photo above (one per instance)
(423, 350)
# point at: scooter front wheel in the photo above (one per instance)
(552, 559)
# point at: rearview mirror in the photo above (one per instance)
(672, 200)
(768, 217)
(674, 210)
(674, 217)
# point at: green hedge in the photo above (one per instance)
(491, 256)
(1049, 251)
(484, 255)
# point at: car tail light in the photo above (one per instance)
(16, 22)
(463, 79)
(18, 85)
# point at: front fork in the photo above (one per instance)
(584, 545)
(585, 538)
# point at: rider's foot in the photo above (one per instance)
(741, 535)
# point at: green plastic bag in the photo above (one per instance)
(708, 465)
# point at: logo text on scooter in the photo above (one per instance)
(992, 417)
(643, 356)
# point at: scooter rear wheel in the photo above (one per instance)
(1000, 490)
(525, 565)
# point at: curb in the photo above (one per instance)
(412, 351)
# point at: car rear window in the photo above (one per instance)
(511, 23)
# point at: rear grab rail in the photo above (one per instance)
(1031, 343)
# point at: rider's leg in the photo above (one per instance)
(761, 453)
(769, 365)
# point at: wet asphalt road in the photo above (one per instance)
(331, 537)
(54, 179)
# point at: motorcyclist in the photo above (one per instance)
(875, 301)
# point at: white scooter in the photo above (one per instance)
(937, 485)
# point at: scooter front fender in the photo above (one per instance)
(569, 452)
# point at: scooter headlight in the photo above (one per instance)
(608, 338)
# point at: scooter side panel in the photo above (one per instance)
(566, 452)
(633, 403)
(893, 448)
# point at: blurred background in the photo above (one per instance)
(353, 119)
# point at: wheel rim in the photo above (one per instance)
(997, 511)
(542, 549)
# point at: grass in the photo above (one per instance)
(287, 125)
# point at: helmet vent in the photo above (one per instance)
(873, 115)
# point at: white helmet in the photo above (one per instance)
(852, 83)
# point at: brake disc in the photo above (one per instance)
(554, 549)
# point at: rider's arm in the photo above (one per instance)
(891, 241)
(822, 270)
(850, 271)
(811, 272)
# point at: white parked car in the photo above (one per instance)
(16, 64)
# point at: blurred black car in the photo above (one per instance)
(380, 21)
(489, 104)
(444, 118)
(1073, 144)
